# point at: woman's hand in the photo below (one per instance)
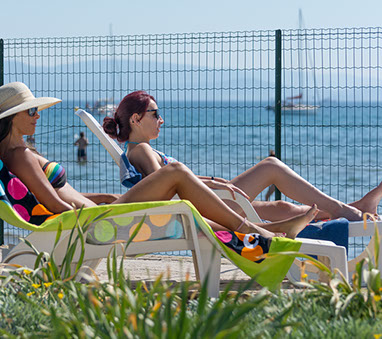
(101, 198)
(223, 184)
(222, 180)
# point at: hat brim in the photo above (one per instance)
(42, 103)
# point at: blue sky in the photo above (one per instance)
(42, 18)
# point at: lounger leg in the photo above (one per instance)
(196, 267)
(336, 255)
(323, 276)
(211, 263)
(339, 260)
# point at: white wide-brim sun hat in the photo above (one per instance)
(16, 97)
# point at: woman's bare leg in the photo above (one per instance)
(280, 210)
(277, 210)
(369, 202)
(295, 225)
(272, 171)
(177, 178)
(292, 226)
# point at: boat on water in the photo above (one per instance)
(102, 107)
(290, 106)
(296, 104)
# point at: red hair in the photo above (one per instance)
(119, 127)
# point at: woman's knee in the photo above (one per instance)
(272, 161)
(178, 169)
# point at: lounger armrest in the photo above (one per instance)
(356, 228)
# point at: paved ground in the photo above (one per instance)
(148, 267)
(175, 268)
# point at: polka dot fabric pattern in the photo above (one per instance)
(14, 193)
(154, 227)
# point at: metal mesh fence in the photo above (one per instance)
(331, 112)
(331, 129)
(211, 89)
(216, 93)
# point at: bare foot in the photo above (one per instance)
(249, 227)
(369, 202)
(293, 226)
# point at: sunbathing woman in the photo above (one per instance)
(19, 113)
(137, 121)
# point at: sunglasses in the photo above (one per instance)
(157, 115)
(32, 111)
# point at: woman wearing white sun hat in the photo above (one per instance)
(137, 122)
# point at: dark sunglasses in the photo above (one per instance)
(32, 111)
(157, 115)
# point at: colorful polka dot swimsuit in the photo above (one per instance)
(16, 194)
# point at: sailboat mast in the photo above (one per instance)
(309, 61)
(299, 48)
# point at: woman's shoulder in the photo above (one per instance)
(16, 158)
(139, 149)
(21, 157)
(142, 154)
(15, 154)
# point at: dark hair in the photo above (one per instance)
(119, 127)
(5, 126)
(82, 134)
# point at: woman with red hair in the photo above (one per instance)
(137, 121)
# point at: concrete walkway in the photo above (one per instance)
(149, 267)
(175, 269)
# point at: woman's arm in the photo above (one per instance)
(222, 184)
(23, 163)
(144, 159)
(101, 198)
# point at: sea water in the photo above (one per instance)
(336, 147)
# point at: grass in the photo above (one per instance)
(47, 302)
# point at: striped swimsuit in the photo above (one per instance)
(55, 173)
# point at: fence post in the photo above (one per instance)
(278, 101)
(1, 84)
